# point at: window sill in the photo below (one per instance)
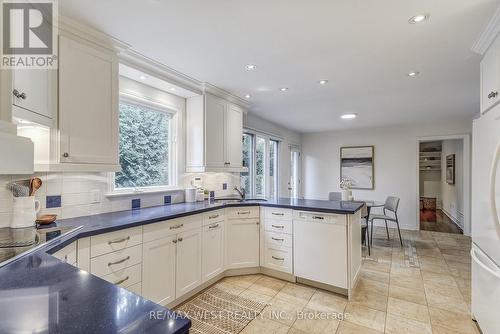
(124, 193)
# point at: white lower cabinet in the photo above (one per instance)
(242, 243)
(320, 248)
(158, 270)
(67, 254)
(188, 266)
(212, 250)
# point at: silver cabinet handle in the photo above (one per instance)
(243, 212)
(277, 213)
(492, 95)
(176, 226)
(278, 258)
(318, 217)
(19, 95)
(180, 239)
(213, 216)
(214, 226)
(119, 261)
(121, 281)
(278, 226)
(118, 241)
(227, 163)
(277, 239)
(174, 241)
(65, 155)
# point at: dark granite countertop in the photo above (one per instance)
(39, 293)
(112, 221)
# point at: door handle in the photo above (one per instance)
(493, 180)
(482, 265)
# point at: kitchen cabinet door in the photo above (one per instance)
(213, 250)
(32, 92)
(214, 132)
(242, 240)
(188, 266)
(490, 77)
(320, 252)
(88, 103)
(233, 138)
(158, 270)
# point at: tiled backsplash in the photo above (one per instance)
(81, 194)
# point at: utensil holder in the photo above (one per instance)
(24, 212)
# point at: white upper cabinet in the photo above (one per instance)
(233, 136)
(490, 77)
(214, 133)
(32, 95)
(88, 103)
(215, 155)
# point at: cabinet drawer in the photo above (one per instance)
(136, 288)
(243, 212)
(108, 263)
(279, 226)
(278, 259)
(170, 227)
(319, 217)
(273, 239)
(125, 277)
(278, 213)
(113, 241)
(67, 254)
(213, 216)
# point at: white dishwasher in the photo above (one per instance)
(320, 248)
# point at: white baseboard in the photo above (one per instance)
(459, 221)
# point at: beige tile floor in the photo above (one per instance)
(421, 288)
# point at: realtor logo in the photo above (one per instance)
(28, 37)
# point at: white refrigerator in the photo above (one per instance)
(486, 221)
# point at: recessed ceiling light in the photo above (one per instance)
(173, 89)
(348, 116)
(142, 77)
(251, 67)
(284, 89)
(323, 82)
(413, 73)
(418, 18)
(247, 96)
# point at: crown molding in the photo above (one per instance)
(488, 34)
(214, 90)
(67, 25)
(154, 68)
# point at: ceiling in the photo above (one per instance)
(365, 48)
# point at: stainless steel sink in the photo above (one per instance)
(239, 200)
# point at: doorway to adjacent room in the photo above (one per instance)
(443, 184)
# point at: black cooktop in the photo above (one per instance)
(14, 242)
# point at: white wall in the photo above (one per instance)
(395, 161)
(287, 137)
(452, 195)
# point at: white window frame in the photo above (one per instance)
(267, 178)
(173, 154)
